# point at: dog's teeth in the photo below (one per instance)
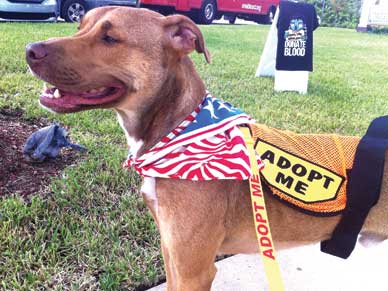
(57, 94)
(96, 91)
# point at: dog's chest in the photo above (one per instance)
(148, 189)
(133, 143)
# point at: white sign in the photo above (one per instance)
(251, 7)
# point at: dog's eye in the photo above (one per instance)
(109, 40)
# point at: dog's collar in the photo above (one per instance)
(207, 145)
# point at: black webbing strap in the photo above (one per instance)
(363, 189)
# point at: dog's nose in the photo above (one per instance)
(36, 51)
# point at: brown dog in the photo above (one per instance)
(135, 61)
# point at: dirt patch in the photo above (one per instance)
(18, 176)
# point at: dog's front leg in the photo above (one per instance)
(188, 258)
(192, 229)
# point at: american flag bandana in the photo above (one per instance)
(207, 145)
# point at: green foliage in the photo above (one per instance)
(338, 13)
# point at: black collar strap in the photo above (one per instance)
(363, 189)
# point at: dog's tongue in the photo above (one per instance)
(62, 101)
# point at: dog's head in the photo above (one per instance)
(119, 55)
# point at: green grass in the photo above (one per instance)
(93, 230)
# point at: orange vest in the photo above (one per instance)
(306, 170)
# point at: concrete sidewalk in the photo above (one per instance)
(307, 269)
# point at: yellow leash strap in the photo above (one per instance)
(263, 232)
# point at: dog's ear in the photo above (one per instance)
(184, 36)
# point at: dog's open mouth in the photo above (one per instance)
(63, 101)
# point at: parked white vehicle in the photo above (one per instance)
(73, 10)
(41, 10)
(378, 14)
(50, 10)
(373, 13)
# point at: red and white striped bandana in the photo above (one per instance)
(207, 145)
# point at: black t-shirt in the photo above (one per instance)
(296, 24)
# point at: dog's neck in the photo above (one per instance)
(179, 95)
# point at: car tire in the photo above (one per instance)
(74, 10)
(208, 12)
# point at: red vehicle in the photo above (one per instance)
(205, 11)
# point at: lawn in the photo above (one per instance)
(89, 229)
